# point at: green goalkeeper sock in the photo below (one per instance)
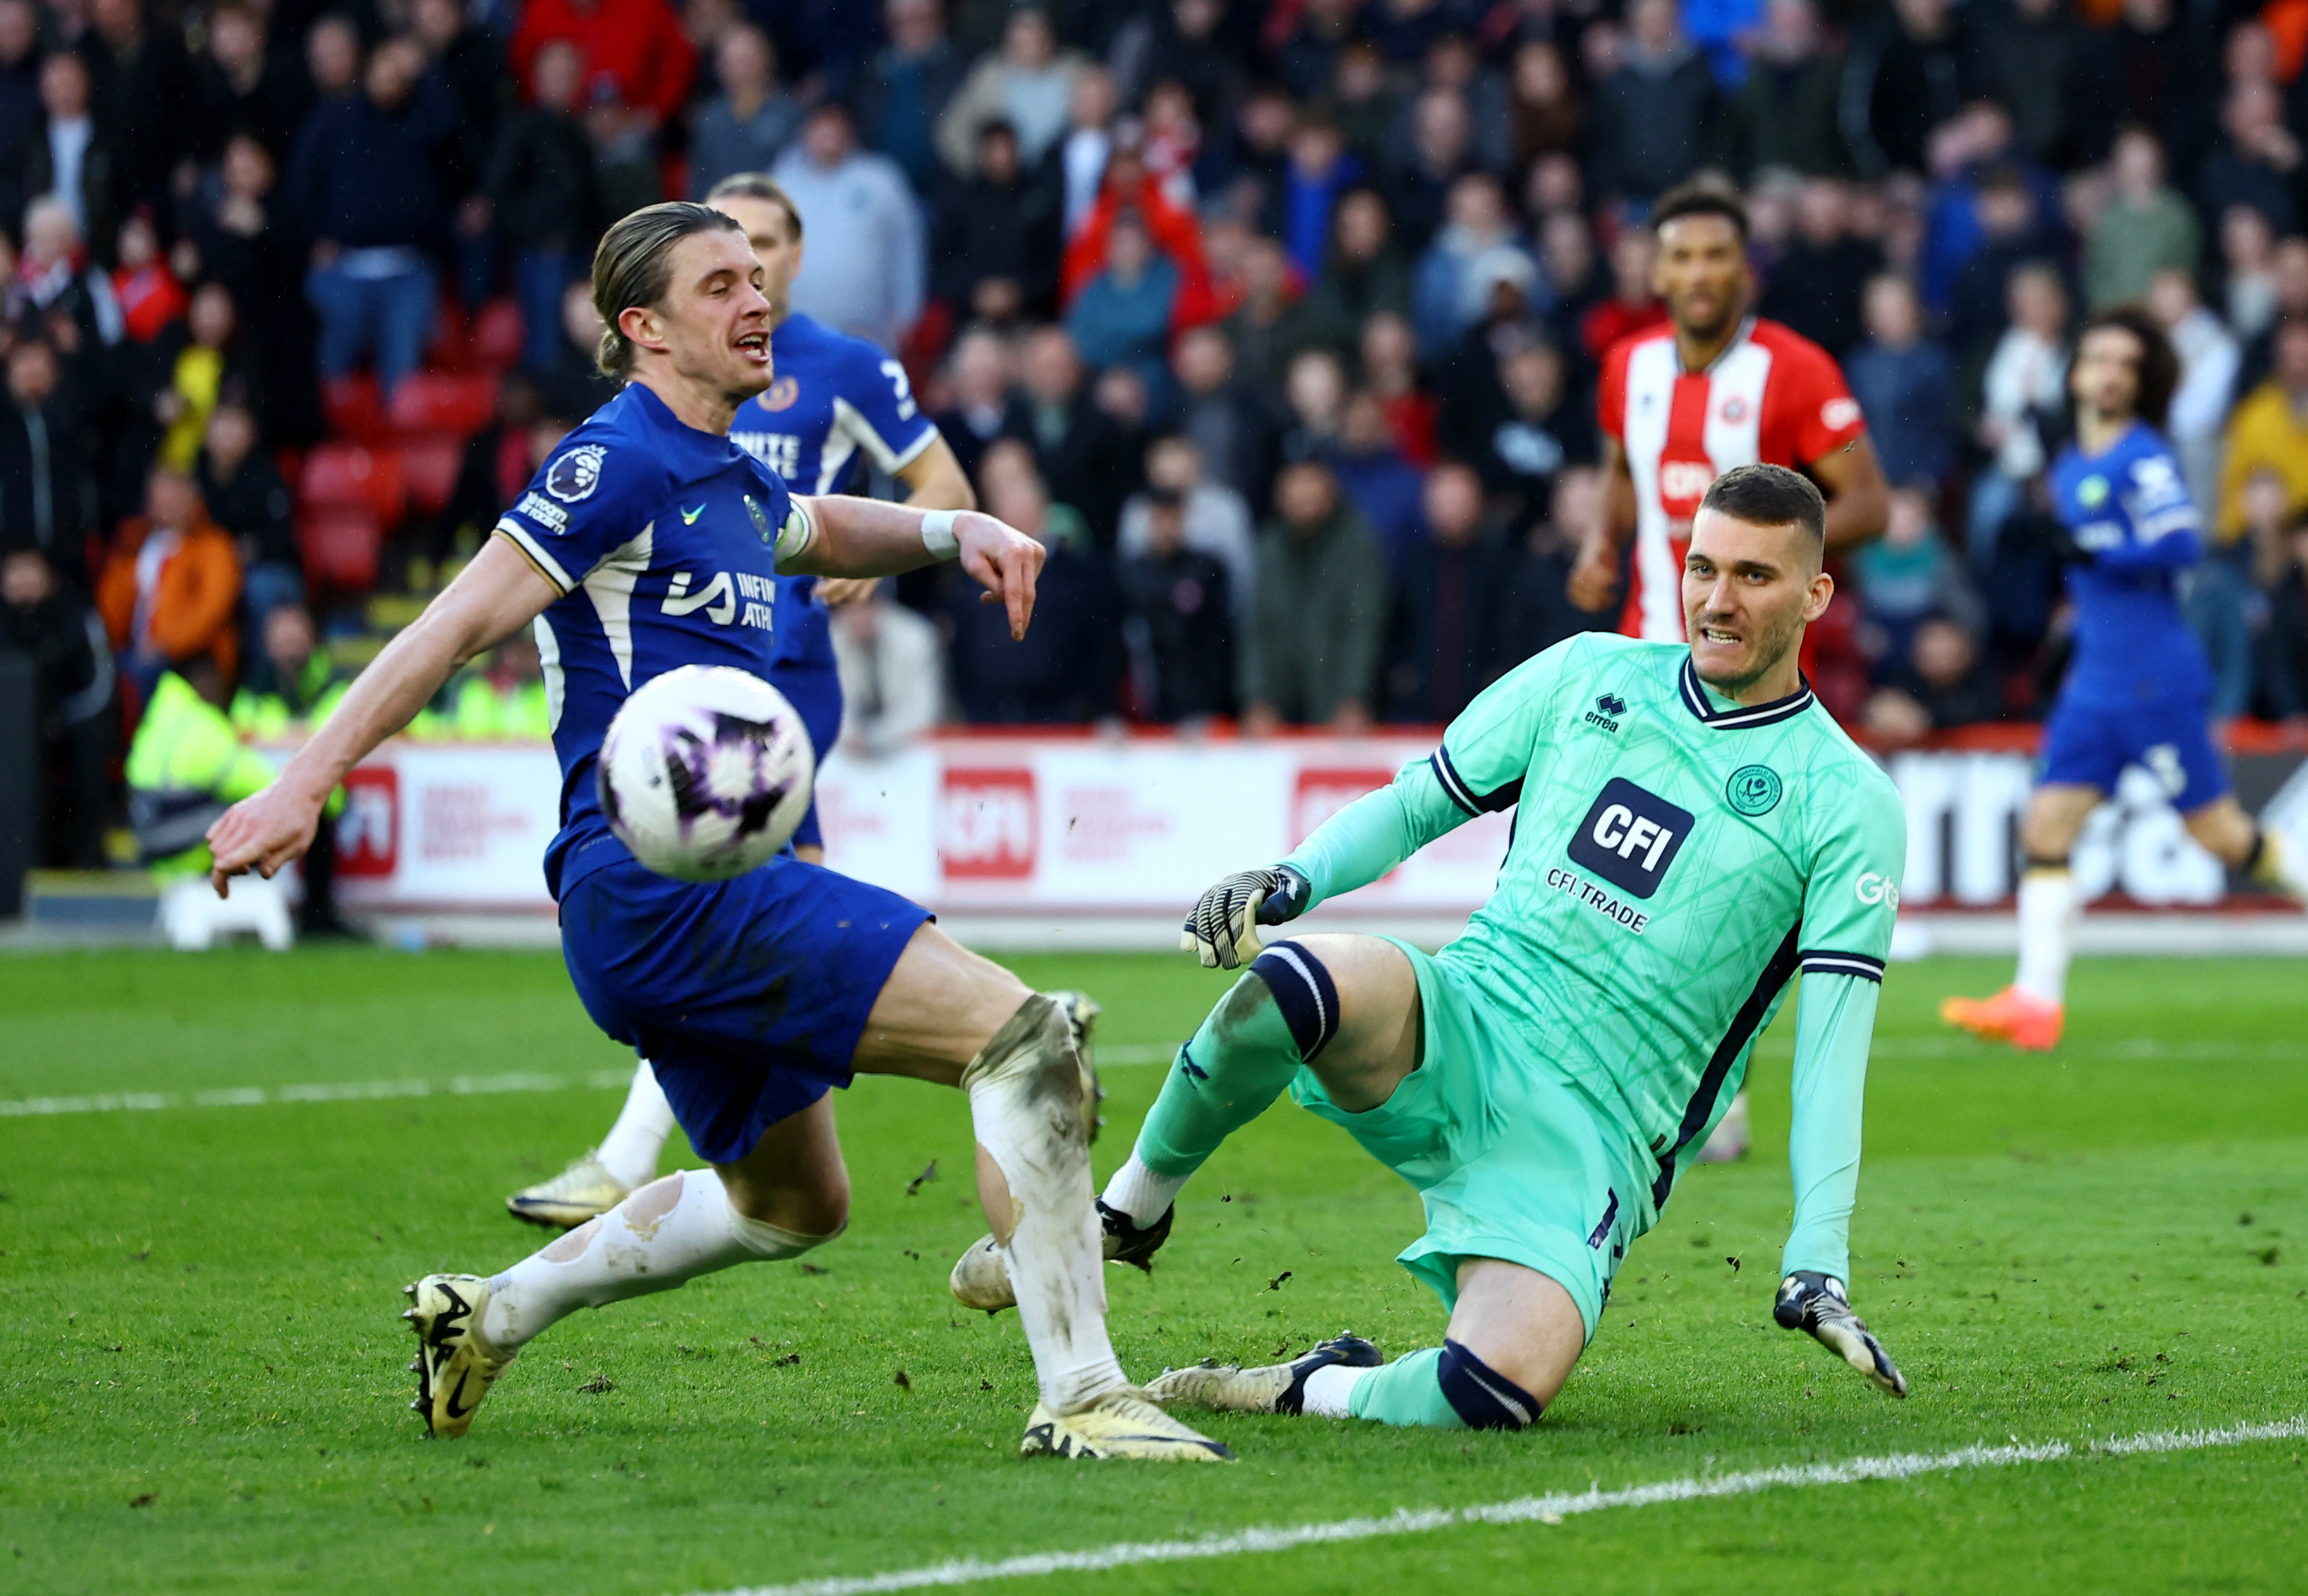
(1238, 1063)
(1407, 1392)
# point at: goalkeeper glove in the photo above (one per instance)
(1809, 1300)
(1223, 928)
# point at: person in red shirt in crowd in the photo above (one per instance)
(150, 296)
(1129, 186)
(636, 46)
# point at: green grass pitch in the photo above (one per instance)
(200, 1369)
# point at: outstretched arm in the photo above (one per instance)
(854, 537)
(493, 597)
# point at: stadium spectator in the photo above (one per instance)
(1322, 169)
(373, 280)
(52, 625)
(2145, 228)
(634, 51)
(467, 59)
(574, 387)
(1545, 113)
(1076, 163)
(1943, 683)
(544, 199)
(907, 87)
(997, 243)
(1215, 521)
(1230, 426)
(1363, 273)
(1375, 477)
(290, 683)
(1178, 619)
(150, 297)
(976, 396)
(332, 63)
(142, 94)
(1450, 291)
(892, 673)
(1271, 327)
(174, 384)
(1187, 42)
(2024, 395)
(1082, 452)
(237, 235)
(47, 494)
(1122, 317)
(19, 72)
(1538, 611)
(1311, 653)
(2208, 358)
(2011, 232)
(1785, 113)
(1418, 183)
(1450, 603)
(1028, 84)
(1907, 73)
(1065, 669)
(1632, 307)
(2248, 272)
(1390, 368)
(2268, 432)
(2283, 665)
(246, 495)
(863, 271)
(170, 586)
(746, 127)
(1542, 426)
(55, 286)
(1908, 576)
(1654, 119)
(241, 85)
(1315, 397)
(1818, 283)
(1905, 386)
(2257, 162)
(1361, 96)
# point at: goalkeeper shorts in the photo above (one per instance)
(1511, 1160)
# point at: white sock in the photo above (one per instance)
(1141, 1194)
(610, 1259)
(1330, 1391)
(1056, 1257)
(630, 1150)
(2047, 932)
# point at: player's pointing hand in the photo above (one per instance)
(1005, 561)
(263, 833)
(1809, 1300)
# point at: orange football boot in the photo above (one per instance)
(2011, 1016)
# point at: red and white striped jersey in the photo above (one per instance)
(1771, 395)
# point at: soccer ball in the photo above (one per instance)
(705, 772)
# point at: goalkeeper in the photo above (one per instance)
(1693, 829)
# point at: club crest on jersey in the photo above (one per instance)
(1629, 837)
(576, 474)
(1753, 790)
(781, 396)
(2091, 493)
(1606, 712)
(760, 520)
(1734, 411)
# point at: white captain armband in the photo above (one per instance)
(938, 534)
(797, 534)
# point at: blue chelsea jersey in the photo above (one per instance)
(834, 401)
(2128, 509)
(663, 542)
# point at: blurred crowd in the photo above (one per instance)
(1280, 323)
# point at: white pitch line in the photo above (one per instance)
(331, 1091)
(1547, 1509)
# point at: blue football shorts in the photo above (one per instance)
(747, 995)
(2088, 745)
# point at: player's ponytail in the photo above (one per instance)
(633, 267)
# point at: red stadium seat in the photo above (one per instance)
(452, 349)
(340, 474)
(352, 407)
(496, 334)
(340, 544)
(443, 401)
(430, 462)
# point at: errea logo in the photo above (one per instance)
(1606, 712)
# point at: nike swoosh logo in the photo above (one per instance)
(689, 517)
(452, 1407)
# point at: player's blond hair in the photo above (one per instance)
(633, 266)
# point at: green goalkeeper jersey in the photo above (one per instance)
(1675, 857)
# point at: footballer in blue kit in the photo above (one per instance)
(648, 542)
(835, 402)
(2138, 689)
